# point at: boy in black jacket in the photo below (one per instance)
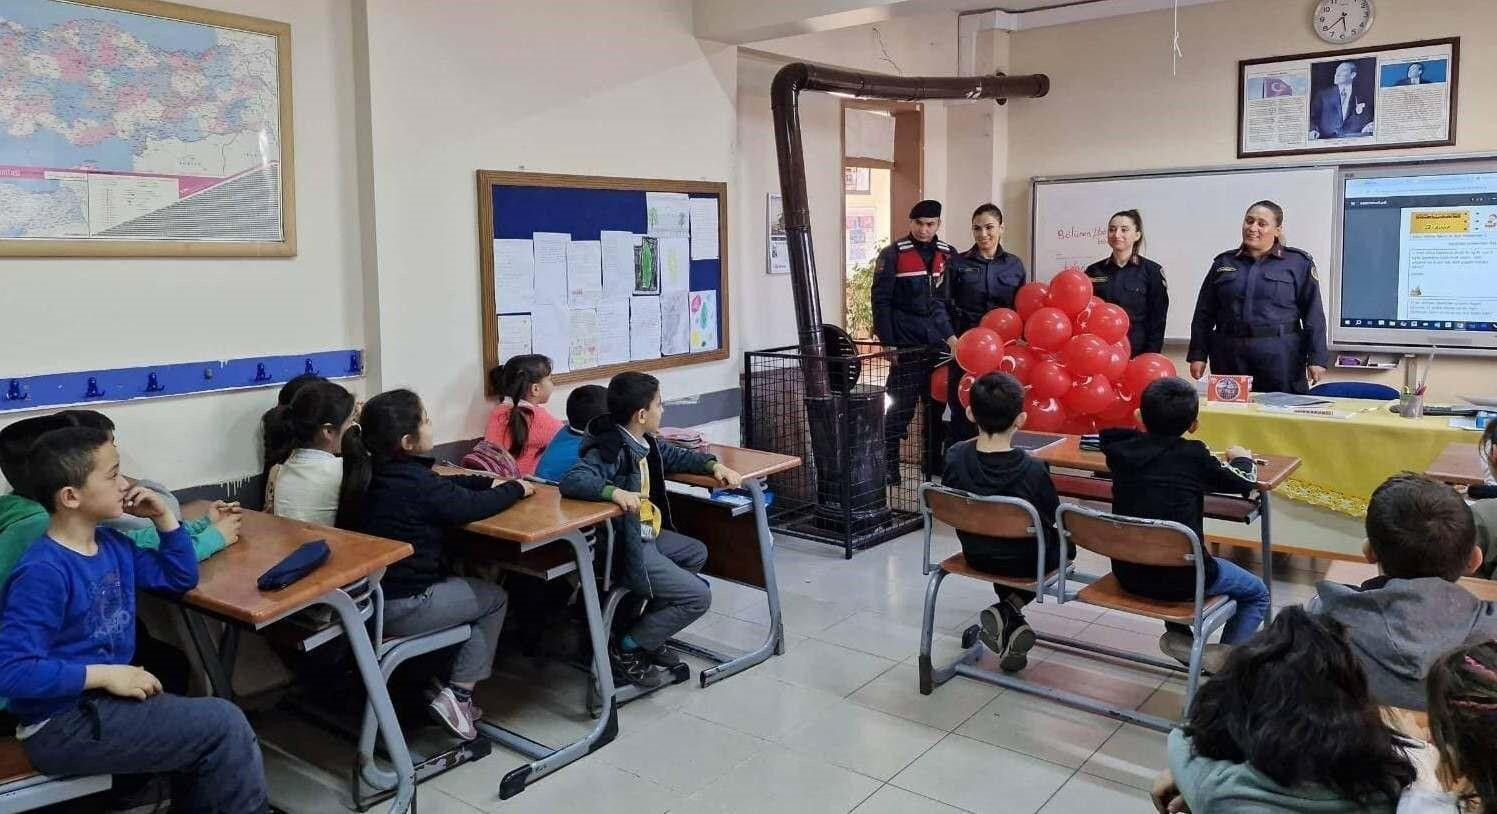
(621, 461)
(989, 465)
(1158, 475)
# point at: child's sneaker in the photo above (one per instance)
(633, 667)
(663, 656)
(1177, 643)
(1008, 634)
(456, 715)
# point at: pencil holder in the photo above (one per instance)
(1411, 406)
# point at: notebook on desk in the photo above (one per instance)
(1035, 441)
(1289, 400)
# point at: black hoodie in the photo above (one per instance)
(1008, 474)
(1166, 477)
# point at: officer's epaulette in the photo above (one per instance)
(945, 247)
(1300, 252)
(904, 245)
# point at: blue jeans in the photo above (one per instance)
(1251, 595)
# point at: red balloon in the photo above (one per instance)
(1118, 414)
(1107, 321)
(1117, 361)
(1048, 329)
(940, 379)
(1005, 322)
(1079, 425)
(1049, 380)
(964, 390)
(1087, 355)
(979, 351)
(1143, 370)
(1094, 302)
(1045, 415)
(1030, 298)
(1070, 291)
(1018, 361)
(1089, 395)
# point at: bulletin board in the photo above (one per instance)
(602, 274)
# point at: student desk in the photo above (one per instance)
(1344, 459)
(729, 555)
(1066, 452)
(226, 591)
(531, 524)
(1458, 464)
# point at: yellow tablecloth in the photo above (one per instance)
(1344, 458)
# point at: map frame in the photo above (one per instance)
(286, 246)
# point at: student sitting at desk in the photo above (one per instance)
(272, 433)
(1160, 475)
(306, 472)
(622, 461)
(990, 465)
(67, 639)
(395, 494)
(1421, 536)
(1484, 505)
(1462, 710)
(520, 425)
(584, 404)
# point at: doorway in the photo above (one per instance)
(882, 168)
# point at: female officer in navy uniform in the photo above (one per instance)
(1133, 282)
(980, 279)
(1259, 310)
(909, 312)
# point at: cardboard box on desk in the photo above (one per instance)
(1229, 389)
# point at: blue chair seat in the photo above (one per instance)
(1355, 390)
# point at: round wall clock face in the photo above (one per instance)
(1341, 21)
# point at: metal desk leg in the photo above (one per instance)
(774, 644)
(607, 726)
(215, 664)
(1267, 537)
(379, 698)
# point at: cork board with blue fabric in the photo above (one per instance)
(602, 274)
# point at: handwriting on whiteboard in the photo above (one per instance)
(1096, 234)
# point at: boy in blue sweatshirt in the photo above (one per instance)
(67, 636)
(583, 405)
(623, 462)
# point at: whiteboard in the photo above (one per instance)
(1189, 218)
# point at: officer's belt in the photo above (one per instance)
(1259, 331)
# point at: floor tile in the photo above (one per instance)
(606, 789)
(876, 634)
(1040, 728)
(779, 781)
(1084, 792)
(682, 752)
(975, 776)
(897, 692)
(759, 705)
(865, 740)
(895, 800)
(798, 613)
(1096, 677)
(826, 666)
(1133, 756)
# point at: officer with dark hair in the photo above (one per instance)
(1259, 310)
(909, 313)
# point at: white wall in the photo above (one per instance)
(588, 87)
(76, 314)
(1113, 105)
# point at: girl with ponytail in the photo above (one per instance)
(521, 425)
(304, 479)
(1463, 724)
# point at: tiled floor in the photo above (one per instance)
(837, 724)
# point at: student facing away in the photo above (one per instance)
(583, 405)
(520, 424)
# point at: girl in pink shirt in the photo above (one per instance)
(525, 431)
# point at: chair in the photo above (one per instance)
(1151, 542)
(1355, 390)
(22, 788)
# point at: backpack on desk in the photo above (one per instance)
(496, 460)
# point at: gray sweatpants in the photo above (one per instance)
(672, 562)
(204, 744)
(453, 601)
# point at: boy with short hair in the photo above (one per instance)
(1159, 475)
(1422, 538)
(989, 465)
(67, 623)
(583, 405)
(622, 461)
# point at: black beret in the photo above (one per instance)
(926, 209)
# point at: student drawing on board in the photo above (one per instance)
(647, 266)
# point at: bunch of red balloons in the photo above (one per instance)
(1069, 348)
